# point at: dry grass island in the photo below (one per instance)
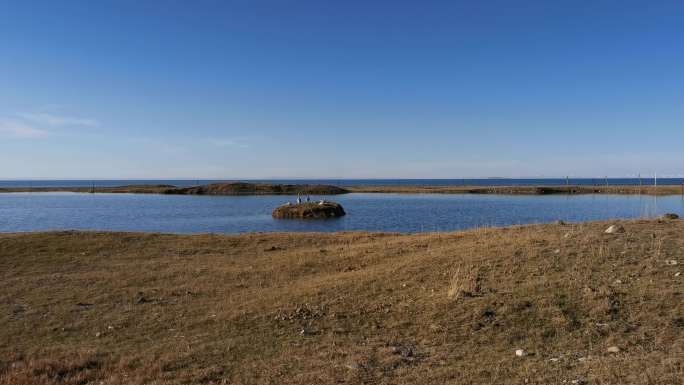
(540, 304)
(243, 188)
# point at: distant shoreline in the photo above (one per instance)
(231, 189)
(525, 190)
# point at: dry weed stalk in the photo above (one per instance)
(463, 280)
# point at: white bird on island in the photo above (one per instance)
(299, 198)
(321, 203)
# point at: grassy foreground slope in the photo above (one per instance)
(123, 308)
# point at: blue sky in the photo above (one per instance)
(340, 89)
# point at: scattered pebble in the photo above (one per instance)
(671, 262)
(306, 332)
(615, 229)
(677, 274)
(520, 353)
(554, 359)
(98, 334)
(557, 251)
(110, 327)
(613, 349)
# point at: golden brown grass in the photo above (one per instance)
(358, 308)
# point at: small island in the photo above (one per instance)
(309, 210)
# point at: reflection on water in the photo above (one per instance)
(365, 212)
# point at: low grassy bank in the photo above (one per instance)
(523, 190)
(232, 188)
(128, 189)
(293, 189)
(357, 308)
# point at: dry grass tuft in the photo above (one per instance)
(463, 282)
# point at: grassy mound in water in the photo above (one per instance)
(240, 188)
(312, 210)
(583, 306)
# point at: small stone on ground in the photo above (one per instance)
(615, 229)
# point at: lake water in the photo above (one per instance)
(365, 212)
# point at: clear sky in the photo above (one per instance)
(340, 89)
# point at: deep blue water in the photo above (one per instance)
(367, 212)
(353, 182)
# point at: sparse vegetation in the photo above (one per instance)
(585, 307)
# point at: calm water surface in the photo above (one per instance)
(365, 212)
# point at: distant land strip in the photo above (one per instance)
(524, 190)
(241, 188)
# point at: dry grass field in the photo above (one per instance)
(350, 308)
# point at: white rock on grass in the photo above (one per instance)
(613, 349)
(615, 229)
